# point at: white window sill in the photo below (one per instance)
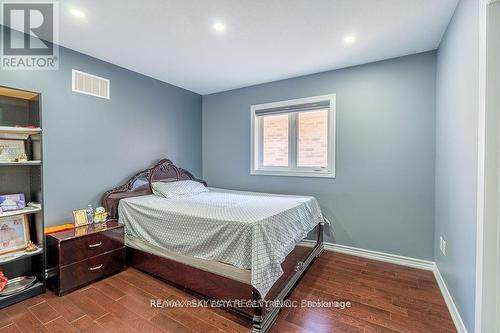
(292, 173)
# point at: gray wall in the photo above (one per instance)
(383, 195)
(456, 155)
(92, 144)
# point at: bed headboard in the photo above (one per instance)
(140, 184)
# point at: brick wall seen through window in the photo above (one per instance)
(312, 139)
(275, 140)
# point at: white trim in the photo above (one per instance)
(291, 102)
(487, 289)
(452, 308)
(481, 164)
(409, 262)
(381, 256)
(292, 169)
(284, 173)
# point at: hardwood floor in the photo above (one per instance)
(384, 297)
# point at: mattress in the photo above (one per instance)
(248, 230)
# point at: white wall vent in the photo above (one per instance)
(90, 84)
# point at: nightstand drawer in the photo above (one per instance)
(81, 248)
(75, 275)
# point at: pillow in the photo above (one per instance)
(178, 188)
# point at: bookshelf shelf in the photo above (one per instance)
(36, 289)
(19, 130)
(10, 258)
(27, 210)
(3, 163)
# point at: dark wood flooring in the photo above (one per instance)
(384, 297)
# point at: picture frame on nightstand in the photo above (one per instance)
(80, 218)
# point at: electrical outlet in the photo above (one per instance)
(442, 245)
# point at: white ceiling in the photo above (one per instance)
(264, 40)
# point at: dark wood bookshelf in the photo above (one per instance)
(22, 108)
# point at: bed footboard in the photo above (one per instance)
(295, 265)
(213, 286)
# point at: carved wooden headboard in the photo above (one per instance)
(140, 184)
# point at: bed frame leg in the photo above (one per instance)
(320, 239)
(257, 324)
(262, 324)
(258, 311)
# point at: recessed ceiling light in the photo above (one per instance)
(77, 13)
(219, 26)
(349, 39)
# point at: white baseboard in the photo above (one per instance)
(381, 256)
(455, 315)
(410, 262)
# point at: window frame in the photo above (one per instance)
(256, 141)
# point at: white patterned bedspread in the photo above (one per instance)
(254, 231)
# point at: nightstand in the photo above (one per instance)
(83, 255)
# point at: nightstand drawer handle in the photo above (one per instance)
(95, 268)
(96, 244)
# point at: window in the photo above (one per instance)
(294, 138)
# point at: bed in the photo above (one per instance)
(246, 249)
